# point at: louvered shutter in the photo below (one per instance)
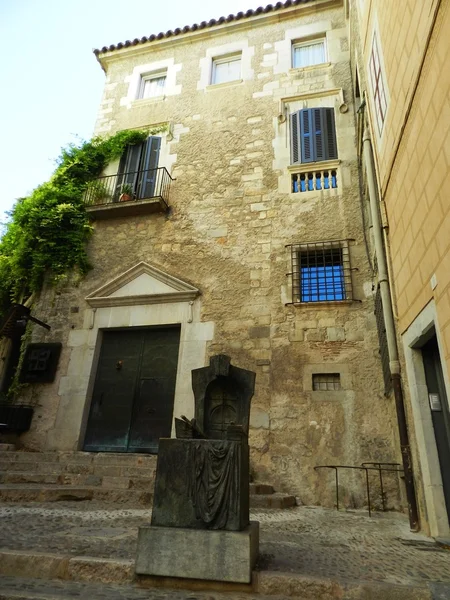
(129, 167)
(319, 139)
(315, 140)
(307, 139)
(149, 168)
(295, 138)
(330, 129)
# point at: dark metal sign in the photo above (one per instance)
(40, 363)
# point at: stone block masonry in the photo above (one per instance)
(232, 215)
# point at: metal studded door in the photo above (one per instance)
(132, 402)
(155, 390)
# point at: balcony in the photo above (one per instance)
(128, 194)
(315, 177)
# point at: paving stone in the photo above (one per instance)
(32, 589)
(302, 542)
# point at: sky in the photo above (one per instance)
(50, 81)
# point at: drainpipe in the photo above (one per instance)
(394, 363)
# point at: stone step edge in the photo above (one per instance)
(39, 565)
(7, 447)
(59, 493)
(64, 479)
(35, 492)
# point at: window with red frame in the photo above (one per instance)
(379, 94)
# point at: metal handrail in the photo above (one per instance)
(129, 186)
(378, 468)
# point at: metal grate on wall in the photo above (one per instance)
(321, 272)
(326, 382)
(382, 339)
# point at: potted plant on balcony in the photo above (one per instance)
(126, 193)
(97, 193)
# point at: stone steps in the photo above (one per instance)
(53, 492)
(70, 479)
(36, 576)
(68, 493)
(104, 476)
(273, 500)
(7, 447)
(65, 465)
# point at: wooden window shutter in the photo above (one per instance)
(307, 139)
(324, 136)
(319, 139)
(148, 167)
(330, 128)
(313, 135)
(129, 166)
(295, 138)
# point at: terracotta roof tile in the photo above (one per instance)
(203, 25)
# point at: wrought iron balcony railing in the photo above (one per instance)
(128, 187)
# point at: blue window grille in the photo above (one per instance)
(321, 272)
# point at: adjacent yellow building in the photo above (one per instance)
(400, 53)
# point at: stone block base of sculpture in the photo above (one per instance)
(214, 555)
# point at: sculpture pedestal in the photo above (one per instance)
(215, 555)
(186, 467)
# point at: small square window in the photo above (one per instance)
(326, 382)
(152, 85)
(226, 69)
(307, 54)
(321, 272)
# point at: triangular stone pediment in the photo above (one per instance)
(142, 284)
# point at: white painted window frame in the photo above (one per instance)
(149, 77)
(309, 42)
(220, 60)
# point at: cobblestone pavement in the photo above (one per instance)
(314, 541)
(17, 588)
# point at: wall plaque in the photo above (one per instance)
(435, 403)
(40, 363)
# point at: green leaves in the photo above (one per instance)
(48, 232)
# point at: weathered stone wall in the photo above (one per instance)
(232, 215)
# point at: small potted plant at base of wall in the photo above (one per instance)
(126, 193)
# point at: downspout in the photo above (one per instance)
(394, 363)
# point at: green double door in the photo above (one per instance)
(132, 401)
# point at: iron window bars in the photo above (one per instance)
(321, 272)
(326, 382)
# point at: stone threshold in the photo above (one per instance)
(267, 584)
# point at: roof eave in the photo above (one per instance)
(136, 47)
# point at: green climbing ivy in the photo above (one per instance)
(47, 231)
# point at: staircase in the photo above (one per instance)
(125, 479)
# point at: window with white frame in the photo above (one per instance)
(378, 87)
(152, 85)
(308, 54)
(227, 68)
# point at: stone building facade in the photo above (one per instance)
(399, 53)
(260, 255)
